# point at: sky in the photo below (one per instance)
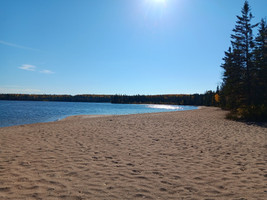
(116, 46)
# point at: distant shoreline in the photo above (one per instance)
(207, 99)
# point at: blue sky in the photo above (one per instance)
(116, 46)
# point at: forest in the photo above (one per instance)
(244, 87)
(207, 99)
(44, 97)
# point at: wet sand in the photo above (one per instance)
(177, 155)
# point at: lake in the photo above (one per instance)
(28, 112)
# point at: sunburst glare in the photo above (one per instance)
(155, 9)
(158, 1)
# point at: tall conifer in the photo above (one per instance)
(243, 46)
(260, 55)
(232, 82)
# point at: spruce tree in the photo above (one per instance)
(232, 82)
(244, 87)
(260, 56)
(243, 46)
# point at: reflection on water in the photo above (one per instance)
(28, 112)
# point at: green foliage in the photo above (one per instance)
(207, 99)
(244, 87)
(255, 113)
(251, 113)
(260, 56)
(68, 98)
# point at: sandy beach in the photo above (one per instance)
(176, 155)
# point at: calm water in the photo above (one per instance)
(28, 112)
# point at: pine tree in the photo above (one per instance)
(243, 46)
(244, 87)
(260, 56)
(232, 82)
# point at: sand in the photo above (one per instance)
(176, 155)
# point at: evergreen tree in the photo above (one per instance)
(232, 82)
(243, 46)
(260, 56)
(244, 87)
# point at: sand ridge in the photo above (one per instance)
(176, 155)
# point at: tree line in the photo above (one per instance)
(68, 98)
(207, 99)
(244, 87)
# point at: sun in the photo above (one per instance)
(158, 1)
(154, 10)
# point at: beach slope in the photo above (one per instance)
(176, 155)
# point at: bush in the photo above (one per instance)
(249, 113)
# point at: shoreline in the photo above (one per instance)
(72, 117)
(196, 154)
(35, 119)
(82, 116)
(75, 117)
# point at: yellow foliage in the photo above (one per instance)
(217, 98)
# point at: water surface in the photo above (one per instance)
(28, 112)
